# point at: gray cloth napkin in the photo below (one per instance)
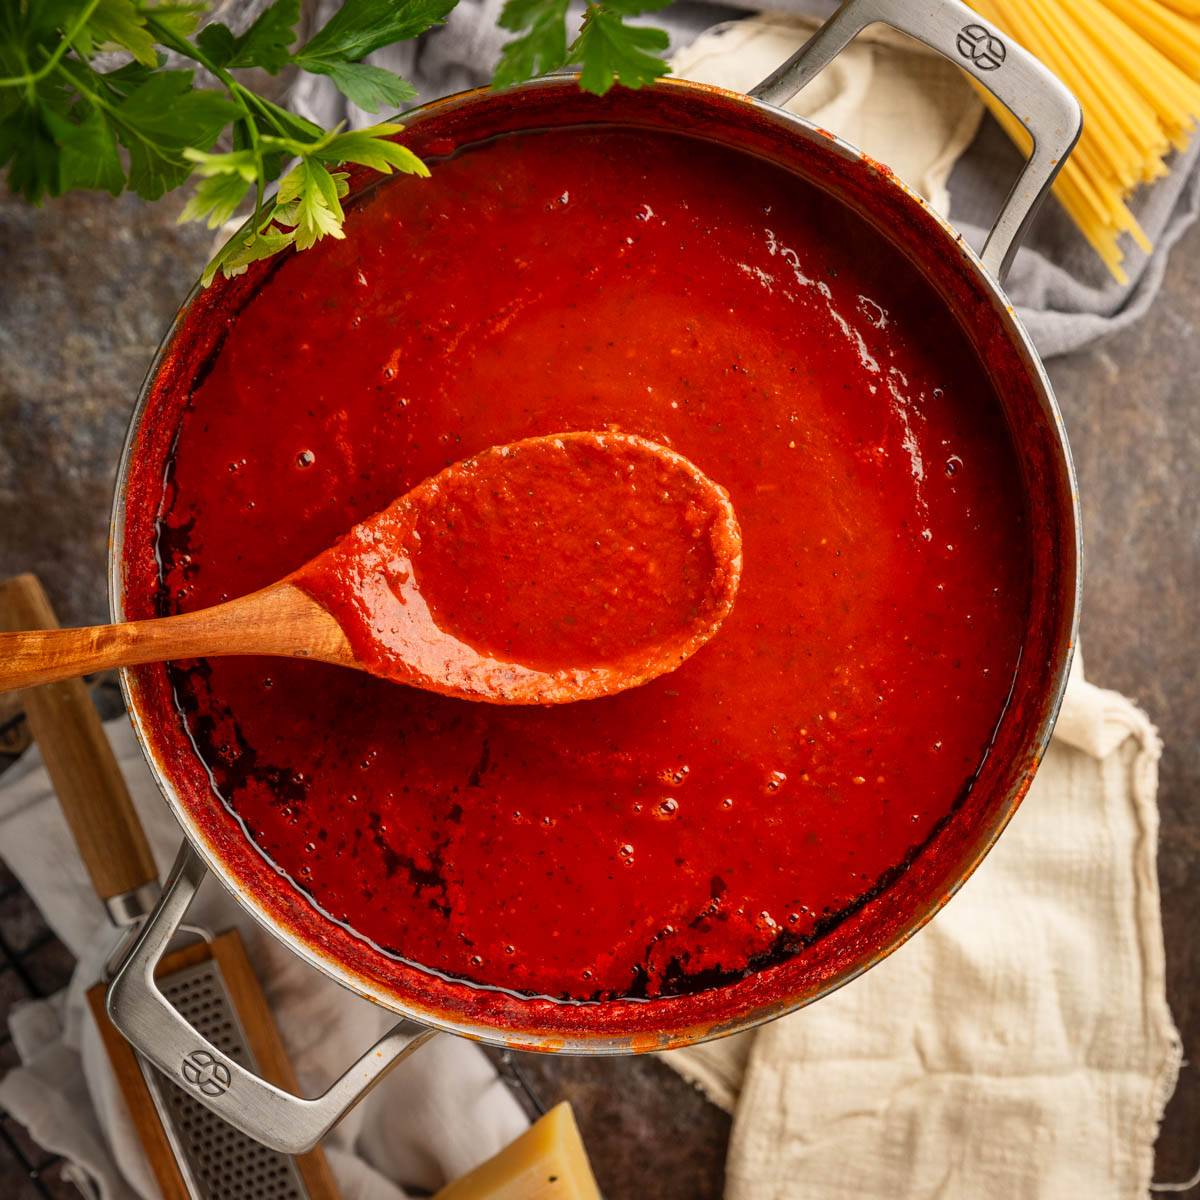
(1061, 289)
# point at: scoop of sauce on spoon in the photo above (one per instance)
(544, 571)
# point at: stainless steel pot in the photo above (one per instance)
(971, 288)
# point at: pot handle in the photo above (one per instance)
(290, 1124)
(1034, 95)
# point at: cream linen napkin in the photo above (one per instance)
(886, 94)
(1019, 1047)
(437, 1115)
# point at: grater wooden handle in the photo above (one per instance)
(84, 771)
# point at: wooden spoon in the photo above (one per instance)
(545, 571)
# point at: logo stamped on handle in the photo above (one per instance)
(205, 1073)
(981, 47)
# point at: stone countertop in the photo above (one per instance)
(88, 286)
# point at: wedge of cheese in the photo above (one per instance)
(547, 1162)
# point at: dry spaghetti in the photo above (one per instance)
(1135, 67)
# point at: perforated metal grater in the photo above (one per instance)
(193, 1152)
(217, 1161)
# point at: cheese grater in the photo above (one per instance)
(217, 1161)
(194, 1154)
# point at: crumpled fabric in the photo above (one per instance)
(440, 1113)
(1019, 1047)
(886, 94)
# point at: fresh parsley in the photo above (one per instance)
(607, 48)
(149, 125)
(306, 206)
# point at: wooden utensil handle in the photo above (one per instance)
(79, 760)
(31, 657)
(280, 620)
(35, 657)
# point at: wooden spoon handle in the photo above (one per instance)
(279, 620)
(36, 656)
(81, 766)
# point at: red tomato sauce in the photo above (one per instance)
(725, 817)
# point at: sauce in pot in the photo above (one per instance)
(687, 833)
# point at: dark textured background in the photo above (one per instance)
(87, 287)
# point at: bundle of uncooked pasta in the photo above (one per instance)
(1135, 67)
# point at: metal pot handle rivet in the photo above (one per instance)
(1034, 95)
(290, 1124)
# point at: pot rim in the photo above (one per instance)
(580, 1041)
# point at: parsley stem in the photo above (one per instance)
(263, 106)
(237, 93)
(29, 80)
(190, 50)
(93, 98)
(31, 86)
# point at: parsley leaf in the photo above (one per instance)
(370, 148)
(354, 31)
(88, 155)
(267, 43)
(123, 80)
(361, 26)
(179, 19)
(217, 199)
(245, 248)
(119, 25)
(309, 199)
(217, 43)
(542, 48)
(159, 119)
(611, 51)
(41, 20)
(32, 155)
(233, 162)
(371, 88)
